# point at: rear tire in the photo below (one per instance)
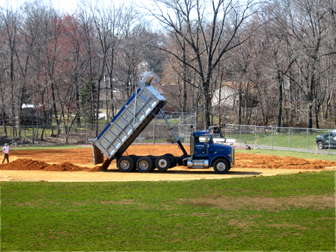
(320, 145)
(144, 164)
(162, 163)
(221, 166)
(126, 164)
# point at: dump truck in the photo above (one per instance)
(145, 104)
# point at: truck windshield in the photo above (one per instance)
(201, 139)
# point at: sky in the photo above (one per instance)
(68, 5)
(62, 5)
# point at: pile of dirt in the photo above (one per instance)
(29, 164)
(275, 162)
(96, 169)
(81, 159)
(74, 156)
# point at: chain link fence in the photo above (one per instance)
(263, 137)
(280, 138)
(156, 132)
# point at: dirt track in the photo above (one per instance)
(77, 165)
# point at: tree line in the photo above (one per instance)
(278, 56)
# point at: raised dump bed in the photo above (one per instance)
(125, 127)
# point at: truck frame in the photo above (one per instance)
(130, 121)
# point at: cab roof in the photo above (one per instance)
(201, 133)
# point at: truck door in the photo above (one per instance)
(202, 149)
(333, 139)
(330, 139)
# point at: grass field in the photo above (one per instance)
(287, 213)
(284, 140)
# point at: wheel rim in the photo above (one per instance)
(125, 164)
(320, 146)
(221, 166)
(143, 165)
(162, 163)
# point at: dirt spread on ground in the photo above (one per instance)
(260, 203)
(77, 160)
(275, 162)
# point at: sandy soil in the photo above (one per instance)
(77, 165)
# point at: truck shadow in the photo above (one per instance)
(190, 172)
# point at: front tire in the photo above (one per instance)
(144, 164)
(126, 164)
(221, 166)
(320, 145)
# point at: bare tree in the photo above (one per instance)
(89, 91)
(309, 29)
(204, 26)
(10, 19)
(277, 40)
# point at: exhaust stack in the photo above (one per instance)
(192, 147)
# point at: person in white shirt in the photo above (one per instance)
(5, 151)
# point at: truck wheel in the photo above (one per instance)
(126, 164)
(162, 163)
(221, 166)
(320, 145)
(144, 164)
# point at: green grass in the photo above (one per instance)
(284, 213)
(285, 140)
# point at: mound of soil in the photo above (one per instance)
(275, 162)
(29, 164)
(81, 159)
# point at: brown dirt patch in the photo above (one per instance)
(81, 160)
(275, 162)
(29, 164)
(70, 159)
(259, 203)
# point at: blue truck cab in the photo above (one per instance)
(204, 153)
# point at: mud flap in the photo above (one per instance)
(98, 156)
(106, 164)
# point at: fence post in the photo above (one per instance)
(33, 136)
(288, 138)
(12, 135)
(255, 134)
(329, 144)
(86, 132)
(195, 120)
(37, 135)
(307, 140)
(272, 137)
(62, 135)
(153, 133)
(240, 135)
